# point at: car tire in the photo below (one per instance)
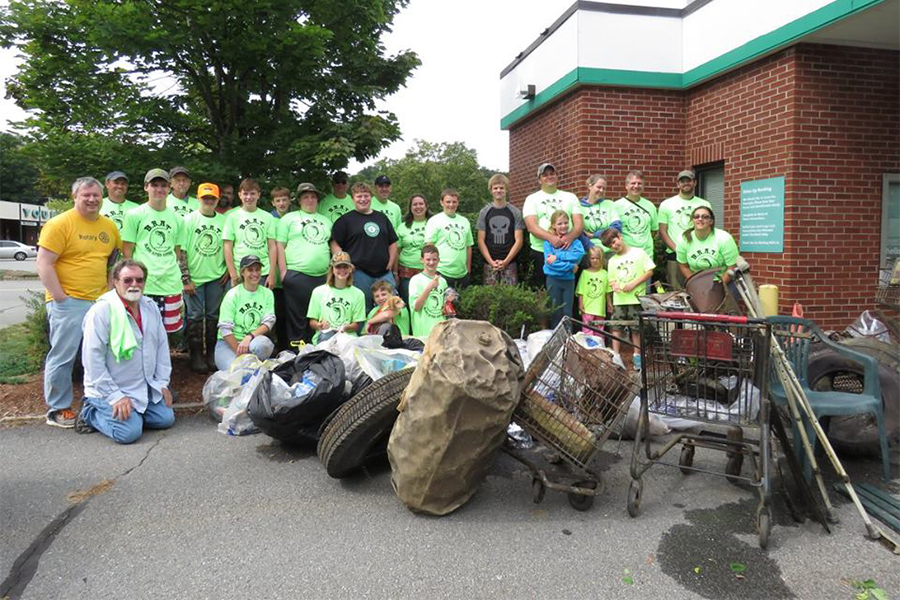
(361, 427)
(20, 256)
(858, 435)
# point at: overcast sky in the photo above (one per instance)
(454, 95)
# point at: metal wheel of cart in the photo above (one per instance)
(712, 369)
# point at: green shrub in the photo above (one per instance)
(23, 346)
(505, 306)
(38, 333)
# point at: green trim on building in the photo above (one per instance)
(774, 40)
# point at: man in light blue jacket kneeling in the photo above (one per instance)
(126, 361)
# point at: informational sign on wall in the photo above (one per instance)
(762, 215)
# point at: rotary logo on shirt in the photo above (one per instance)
(372, 229)
(158, 242)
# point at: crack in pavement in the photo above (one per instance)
(25, 566)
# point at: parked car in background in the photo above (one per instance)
(16, 250)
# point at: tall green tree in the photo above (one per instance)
(273, 89)
(18, 173)
(429, 167)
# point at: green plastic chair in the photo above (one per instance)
(796, 337)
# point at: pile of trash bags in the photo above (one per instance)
(289, 396)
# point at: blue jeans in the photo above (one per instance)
(204, 304)
(261, 346)
(65, 339)
(562, 295)
(97, 412)
(364, 282)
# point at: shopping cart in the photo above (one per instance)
(712, 369)
(573, 399)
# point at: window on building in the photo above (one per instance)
(711, 187)
(890, 220)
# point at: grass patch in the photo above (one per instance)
(17, 359)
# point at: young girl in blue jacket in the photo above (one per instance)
(560, 266)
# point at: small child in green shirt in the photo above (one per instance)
(593, 291)
(389, 310)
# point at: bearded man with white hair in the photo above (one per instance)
(126, 361)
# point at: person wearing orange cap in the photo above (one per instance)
(202, 244)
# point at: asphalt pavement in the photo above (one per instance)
(191, 513)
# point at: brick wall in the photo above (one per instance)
(609, 130)
(824, 117)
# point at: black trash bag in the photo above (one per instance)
(297, 419)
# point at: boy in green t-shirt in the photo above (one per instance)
(202, 244)
(249, 230)
(426, 294)
(629, 270)
(389, 309)
(452, 234)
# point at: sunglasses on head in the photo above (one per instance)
(131, 280)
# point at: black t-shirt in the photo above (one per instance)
(499, 231)
(366, 239)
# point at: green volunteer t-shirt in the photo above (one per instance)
(542, 205)
(245, 310)
(332, 207)
(155, 234)
(410, 240)
(250, 232)
(597, 219)
(401, 320)
(305, 237)
(432, 313)
(593, 286)
(202, 242)
(338, 306)
(116, 212)
(181, 207)
(390, 209)
(717, 250)
(639, 221)
(675, 214)
(624, 268)
(452, 236)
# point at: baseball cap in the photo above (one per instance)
(156, 174)
(179, 171)
(341, 258)
(382, 180)
(208, 189)
(249, 260)
(308, 187)
(544, 167)
(686, 173)
(340, 177)
(112, 176)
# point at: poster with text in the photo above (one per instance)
(762, 215)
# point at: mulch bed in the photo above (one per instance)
(19, 400)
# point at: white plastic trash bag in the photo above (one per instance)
(343, 345)
(376, 363)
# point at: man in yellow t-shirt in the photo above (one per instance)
(74, 250)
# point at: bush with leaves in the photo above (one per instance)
(509, 307)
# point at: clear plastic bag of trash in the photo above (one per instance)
(249, 370)
(868, 325)
(343, 345)
(378, 362)
(282, 393)
(222, 386)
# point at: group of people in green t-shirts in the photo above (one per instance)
(601, 251)
(352, 261)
